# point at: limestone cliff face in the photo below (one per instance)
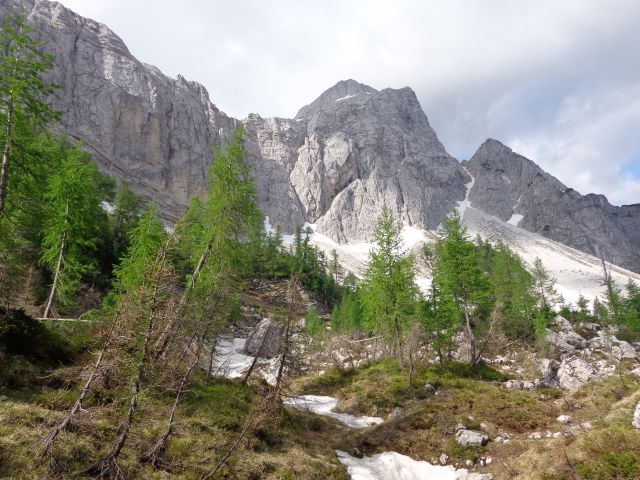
(507, 183)
(337, 163)
(152, 130)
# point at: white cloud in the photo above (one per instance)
(558, 79)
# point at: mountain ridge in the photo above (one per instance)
(343, 156)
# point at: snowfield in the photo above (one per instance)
(322, 405)
(394, 466)
(230, 362)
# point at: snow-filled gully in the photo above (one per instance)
(386, 465)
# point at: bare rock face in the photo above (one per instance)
(337, 163)
(140, 125)
(508, 184)
(341, 159)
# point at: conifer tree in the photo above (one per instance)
(459, 277)
(388, 293)
(23, 110)
(544, 285)
(70, 229)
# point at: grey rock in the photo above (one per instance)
(444, 458)
(566, 341)
(636, 417)
(574, 372)
(469, 438)
(519, 385)
(507, 183)
(336, 164)
(549, 378)
(395, 413)
(429, 388)
(265, 340)
(624, 351)
(563, 323)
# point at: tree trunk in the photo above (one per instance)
(6, 158)
(470, 336)
(153, 455)
(163, 341)
(56, 276)
(108, 466)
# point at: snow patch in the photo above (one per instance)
(394, 466)
(230, 362)
(322, 405)
(412, 236)
(108, 207)
(345, 97)
(466, 203)
(515, 219)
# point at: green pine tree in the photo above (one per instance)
(23, 92)
(388, 293)
(458, 275)
(70, 230)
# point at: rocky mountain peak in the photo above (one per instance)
(515, 189)
(343, 90)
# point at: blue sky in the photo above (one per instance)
(558, 81)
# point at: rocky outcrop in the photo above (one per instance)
(265, 340)
(512, 187)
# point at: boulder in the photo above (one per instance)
(574, 373)
(566, 341)
(636, 417)
(265, 340)
(563, 323)
(470, 438)
(623, 351)
(549, 378)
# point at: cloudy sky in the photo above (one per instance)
(556, 80)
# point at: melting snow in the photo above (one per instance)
(394, 466)
(230, 362)
(321, 405)
(515, 219)
(108, 207)
(466, 203)
(345, 97)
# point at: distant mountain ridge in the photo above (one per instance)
(335, 164)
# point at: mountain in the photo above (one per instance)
(513, 188)
(334, 165)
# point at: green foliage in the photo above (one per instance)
(146, 239)
(71, 228)
(217, 230)
(23, 110)
(347, 315)
(126, 214)
(388, 293)
(314, 325)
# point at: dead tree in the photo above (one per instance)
(108, 467)
(51, 438)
